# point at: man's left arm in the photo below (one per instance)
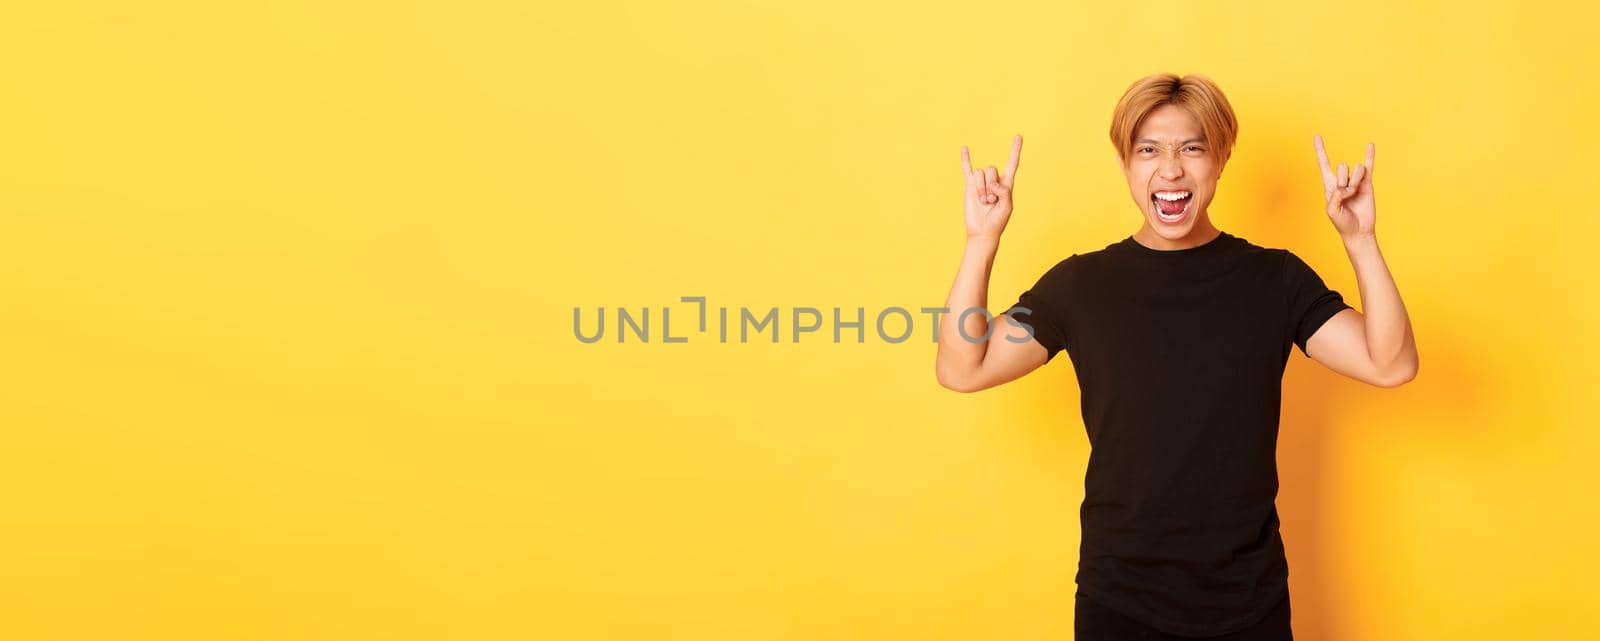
(1375, 346)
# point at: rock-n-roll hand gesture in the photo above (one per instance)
(989, 195)
(1349, 194)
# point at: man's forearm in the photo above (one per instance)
(958, 355)
(1390, 344)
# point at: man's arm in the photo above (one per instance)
(1376, 347)
(970, 365)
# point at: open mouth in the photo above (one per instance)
(1171, 207)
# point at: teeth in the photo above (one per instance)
(1172, 195)
(1172, 218)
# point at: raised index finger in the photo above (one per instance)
(1369, 158)
(1016, 157)
(1322, 160)
(966, 161)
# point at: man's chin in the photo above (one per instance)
(1172, 232)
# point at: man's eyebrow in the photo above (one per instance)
(1157, 142)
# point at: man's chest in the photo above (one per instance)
(1166, 332)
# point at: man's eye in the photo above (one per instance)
(1146, 149)
(1194, 148)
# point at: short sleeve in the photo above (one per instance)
(1040, 307)
(1311, 302)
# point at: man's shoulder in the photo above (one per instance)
(1118, 252)
(1269, 258)
(1093, 256)
(1267, 253)
(1247, 245)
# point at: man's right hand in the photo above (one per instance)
(989, 194)
(963, 364)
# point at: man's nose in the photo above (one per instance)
(1170, 168)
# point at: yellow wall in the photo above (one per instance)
(288, 347)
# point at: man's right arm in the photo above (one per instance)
(986, 359)
(967, 361)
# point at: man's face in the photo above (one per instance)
(1171, 173)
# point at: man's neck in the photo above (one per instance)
(1202, 233)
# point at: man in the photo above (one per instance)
(1179, 335)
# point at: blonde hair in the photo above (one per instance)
(1194, 92)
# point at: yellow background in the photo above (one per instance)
(288, 347)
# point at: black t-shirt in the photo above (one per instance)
(1180, 357)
